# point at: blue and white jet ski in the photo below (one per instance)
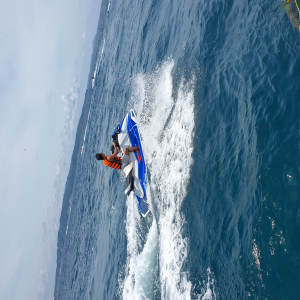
(127, 135)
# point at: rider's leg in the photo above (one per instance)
(130, 149)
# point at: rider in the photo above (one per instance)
(114, 161)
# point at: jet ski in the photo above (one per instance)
(125, 135)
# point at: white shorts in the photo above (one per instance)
(125, 161)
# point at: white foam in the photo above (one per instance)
(85, 130)
(208, 293)
(166, 125)
(141, 265)
(99, 60)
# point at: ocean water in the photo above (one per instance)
(215, 85)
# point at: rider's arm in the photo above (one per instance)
(112, 156)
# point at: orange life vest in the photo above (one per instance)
(116, 164)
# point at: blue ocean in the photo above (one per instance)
(215, 86)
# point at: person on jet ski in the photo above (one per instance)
(115, 162)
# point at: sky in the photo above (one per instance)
(45, 56)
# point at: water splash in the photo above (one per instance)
(166, 124)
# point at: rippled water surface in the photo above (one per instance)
(215, 87)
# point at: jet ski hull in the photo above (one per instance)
(136, 172)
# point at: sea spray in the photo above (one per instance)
(166, 123)
(141, 258)
(166, 126)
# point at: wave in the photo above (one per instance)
(99, 60)
(155, 259)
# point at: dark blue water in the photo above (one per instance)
(215, 87)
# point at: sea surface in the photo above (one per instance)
(215, 85)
